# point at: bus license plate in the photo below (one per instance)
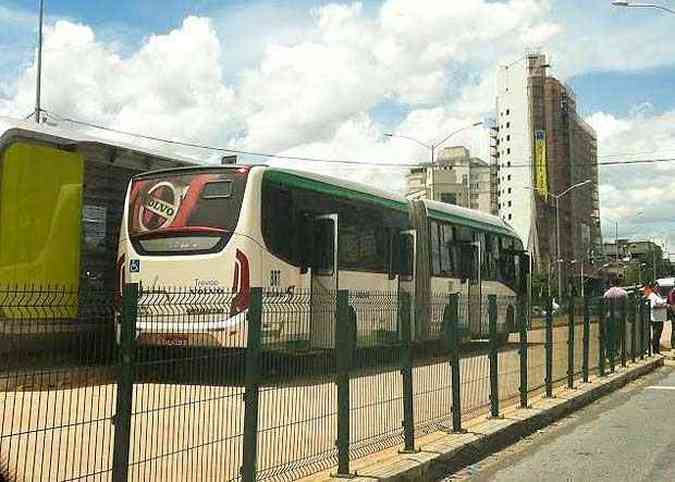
(174, 340)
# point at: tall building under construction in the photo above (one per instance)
(541, 147)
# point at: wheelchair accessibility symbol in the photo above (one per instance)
(134, 265)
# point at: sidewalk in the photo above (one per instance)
(621, 437)
(485, 435)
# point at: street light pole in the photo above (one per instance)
(557, 217)
(616, 241)
(557, 227)
(558, 259)
(432, 148)
(38, 76)
(619, 3)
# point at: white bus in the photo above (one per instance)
(216, 229)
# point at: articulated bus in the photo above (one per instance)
(211, 229)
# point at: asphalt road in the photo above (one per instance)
(627, 436)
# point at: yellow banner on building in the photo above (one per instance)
(540, 165)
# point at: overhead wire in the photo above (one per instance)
(234, 150)
(230, 150)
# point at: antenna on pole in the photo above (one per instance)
(38, 81)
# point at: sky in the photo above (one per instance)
(329, 79)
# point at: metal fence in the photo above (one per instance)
(173, 384)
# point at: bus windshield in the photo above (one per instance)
(185, 212)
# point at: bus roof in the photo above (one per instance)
(337, 187)
(355, 190)
(10, 128)
(470, 217)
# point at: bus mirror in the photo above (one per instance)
(305, 242)
(395, 255)
(406, 264)
(467, 261)
(324, 246)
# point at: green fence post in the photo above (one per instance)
(522, 325)
(602, 334)
(611, 334)
(622, 332)
(125, 384)
(587, 340)
(633, 326)
(570, 342)
(451, 320)
(407, 374)
(549, 347)
(252, 390)
(641, 311)
(344, 352)
(494, 368)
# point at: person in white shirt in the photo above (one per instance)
(659, 313)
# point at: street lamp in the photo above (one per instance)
(557, 226)
(642, 5)
(432, 147)
(581, 274)
(616, 232)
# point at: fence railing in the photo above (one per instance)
(173, 384)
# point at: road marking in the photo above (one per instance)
(661, 387)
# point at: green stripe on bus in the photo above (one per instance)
(468, 222)
(291, 180)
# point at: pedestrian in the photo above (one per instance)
(671, 316)
(615, 297)
(659, 309)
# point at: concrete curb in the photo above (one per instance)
(486, 436)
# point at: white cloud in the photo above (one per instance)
(306, 93)
(607, 126)
(307, 88)
(629, 189)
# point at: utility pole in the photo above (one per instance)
(616, 241)
(38, 76)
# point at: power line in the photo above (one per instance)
(233, 150)
(227, 149)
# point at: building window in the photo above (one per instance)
(509, 203)
(507, 111)
(508, 124)
(509, 190)
(508, 150)
(449, 197)
(508, 164)
(509, 217)
(508, 137)
(508, 177)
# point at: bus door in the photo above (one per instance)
(474, 298)
(324, 280)
(407, 253)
